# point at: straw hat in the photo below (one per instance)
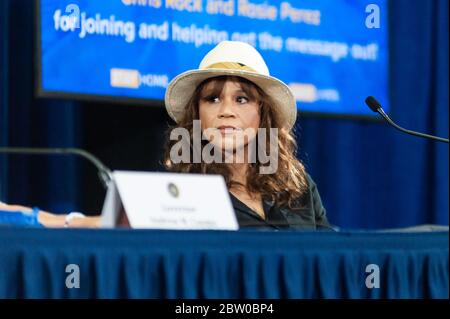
(232, 58)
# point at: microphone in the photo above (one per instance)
(375, 106)
(104, 172)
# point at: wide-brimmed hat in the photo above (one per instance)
(232, 58)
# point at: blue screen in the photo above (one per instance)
(332, 53)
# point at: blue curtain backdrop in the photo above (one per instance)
(26, 121)
(369, 175)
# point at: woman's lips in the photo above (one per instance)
(225, 129)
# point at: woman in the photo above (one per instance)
(242, 113)
(232, 93)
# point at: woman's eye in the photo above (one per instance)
(212, 99)
(242, 99)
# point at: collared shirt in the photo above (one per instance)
(310, 216)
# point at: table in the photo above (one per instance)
(45, 263)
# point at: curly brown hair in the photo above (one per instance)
(285, 186)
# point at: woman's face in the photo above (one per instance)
(229, 118)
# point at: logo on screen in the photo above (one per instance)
(124, 78)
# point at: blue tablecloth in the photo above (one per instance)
(219, 264)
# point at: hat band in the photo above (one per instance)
(230, 66)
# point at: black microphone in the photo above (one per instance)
(104, 172)
(376, 107)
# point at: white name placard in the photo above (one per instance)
(168, 201)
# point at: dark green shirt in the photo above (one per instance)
(311, 215)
